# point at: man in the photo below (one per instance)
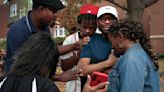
(95, 55)
(87, 21)
(38, 19)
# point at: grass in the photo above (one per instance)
(161, 65)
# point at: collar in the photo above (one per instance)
(29, 23)
(31, 26)
(133, 47)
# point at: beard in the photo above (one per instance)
(104, 30)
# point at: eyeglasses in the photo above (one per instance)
(104, 19)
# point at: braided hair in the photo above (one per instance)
(134, 31)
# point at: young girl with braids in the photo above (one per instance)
(136, 70)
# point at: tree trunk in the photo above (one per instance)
(146, 23)
(135, 10)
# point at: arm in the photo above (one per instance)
(88, 68)
(70, 59)
(70, 62)
(63, 49)
(66, 76)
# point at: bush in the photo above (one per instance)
(161, 56)
(2, 43)
(59, 40)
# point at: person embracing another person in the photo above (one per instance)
(97, 55)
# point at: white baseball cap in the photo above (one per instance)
(107, 9)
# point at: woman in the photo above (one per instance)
(136, 71)
(34, 65)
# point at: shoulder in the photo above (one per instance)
(70, 39)
(19, 24)
(134, 57)
(47, 85)
(70, 36)
(18, 30)
(19, 27)
(136, 53)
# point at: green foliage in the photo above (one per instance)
(161, 56)
(59, 40)
(2, 44)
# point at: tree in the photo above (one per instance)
(68, 16)
(134, 8)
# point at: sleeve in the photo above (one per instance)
(86, 51)
(132, 76)
(66, 42)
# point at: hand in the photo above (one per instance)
(85, 40)
(112, 58)
(69, 75)
(98, 88)
(82, 42)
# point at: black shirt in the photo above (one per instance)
(24, 84)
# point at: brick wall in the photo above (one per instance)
(1, 1)
(4, 19)
(157, 26)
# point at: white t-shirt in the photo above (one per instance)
(69, 40)
(74, 85)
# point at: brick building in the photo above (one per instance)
(10, 11)
(157, 26)
(154, 12)
(4, 19)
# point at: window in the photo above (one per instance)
(22, 12)
(30, 1)
(5, 1)
(13, 10)
(60, 32)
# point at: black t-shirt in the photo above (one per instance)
(24, 84)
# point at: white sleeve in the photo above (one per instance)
(68, 40)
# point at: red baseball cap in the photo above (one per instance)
(89, 9)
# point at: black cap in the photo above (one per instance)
(54, 4)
